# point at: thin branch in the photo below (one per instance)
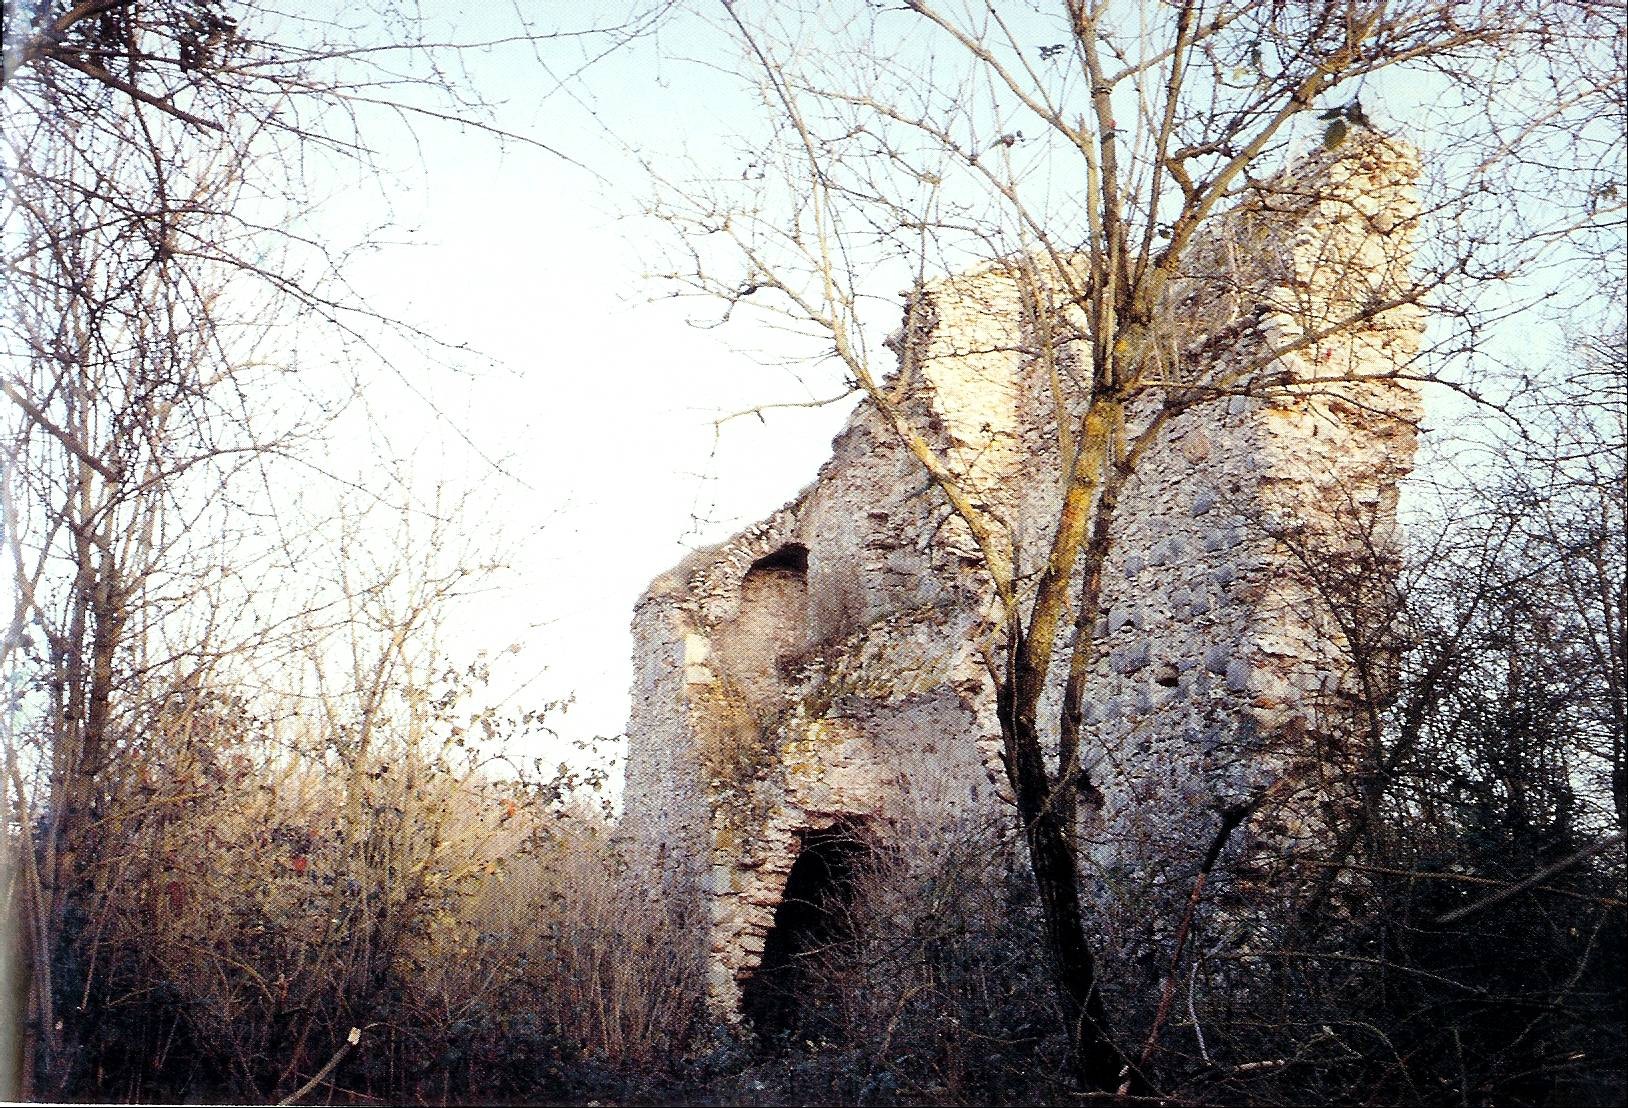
(1537, 878)
(321, 1075)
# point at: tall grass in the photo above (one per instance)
(258, 898)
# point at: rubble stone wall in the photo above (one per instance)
(830, 664)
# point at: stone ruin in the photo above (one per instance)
(824, 673)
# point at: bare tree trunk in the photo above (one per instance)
(1095, 1062)
(1048, 804)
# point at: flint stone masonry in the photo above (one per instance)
(827, 666)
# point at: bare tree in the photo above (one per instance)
(163, 285)
(1569, 487)
(1093, 146)
(1487, 834)
(130, 437)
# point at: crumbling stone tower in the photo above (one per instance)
(825, 670)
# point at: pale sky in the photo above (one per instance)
(602, 403)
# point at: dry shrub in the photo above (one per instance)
(265, 900)
(580, 949)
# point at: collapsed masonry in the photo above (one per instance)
(826, 669)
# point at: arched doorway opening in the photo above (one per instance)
(811, 926)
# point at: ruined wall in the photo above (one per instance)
(827, 666)
(1255, 554)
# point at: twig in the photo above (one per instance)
(892, 1026)
(1230, 819)
(98, 73)
(340, 1055)
(780, 406)
(1257, 1067)
(34, 412)
(1537, 878)
(1192, 1013)
(1470, 879)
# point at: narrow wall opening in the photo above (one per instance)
(811, 926)
(793, 556)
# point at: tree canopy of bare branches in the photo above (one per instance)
(179, 327)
